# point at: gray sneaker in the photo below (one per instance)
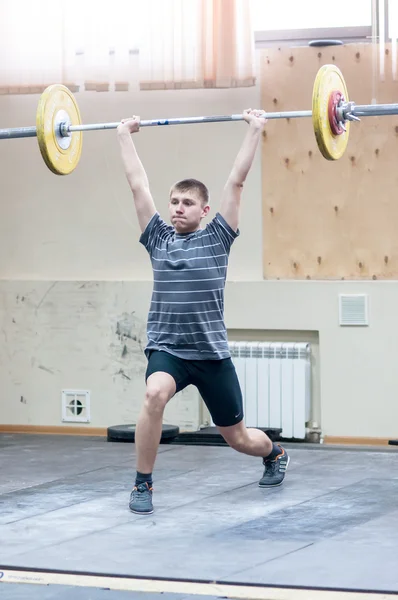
(275, 470)
(141, 499)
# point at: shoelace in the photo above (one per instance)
(271, 466)
(140, 491)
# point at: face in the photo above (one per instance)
(186, 210)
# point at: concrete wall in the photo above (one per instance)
(71, 270)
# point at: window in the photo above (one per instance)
(310, 14)
(294, 21)
(392, 19)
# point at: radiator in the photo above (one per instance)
(275, 378)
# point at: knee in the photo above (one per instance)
(156, 399)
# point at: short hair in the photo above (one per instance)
(186, 185)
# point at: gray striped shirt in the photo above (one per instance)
(186, 315)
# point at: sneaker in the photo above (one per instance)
(141, 499)
(275, 470)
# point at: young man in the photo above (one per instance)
(187, 337)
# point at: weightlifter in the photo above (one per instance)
(187, 338)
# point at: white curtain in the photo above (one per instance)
(86, 44)
(197, 44)
(81, 43)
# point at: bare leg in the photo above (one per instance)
(160, 388)
(247, 440)
(256, 443)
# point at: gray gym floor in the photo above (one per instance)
(64, 505)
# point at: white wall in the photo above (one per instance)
(77, 335)
(83, 226)
(71, 268)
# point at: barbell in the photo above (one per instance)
(59, 128)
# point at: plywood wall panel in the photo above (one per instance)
(323, 219)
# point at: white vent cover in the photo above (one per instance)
(76, 406)
(353, 309)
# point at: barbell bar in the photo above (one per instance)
(348, 110)
(192, 120)
(18, 132)
(65, 129)
(59, 127)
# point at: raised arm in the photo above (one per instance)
(230, 203)
(135, 172)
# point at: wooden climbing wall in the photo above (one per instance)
(329, 219)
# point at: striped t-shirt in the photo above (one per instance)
(186, 315)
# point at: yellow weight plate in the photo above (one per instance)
(329, 80)
(56, 105)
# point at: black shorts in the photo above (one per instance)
(216, 380)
